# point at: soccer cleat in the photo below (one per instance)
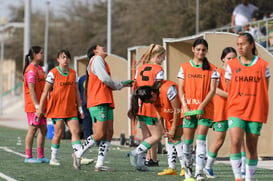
(142, 169)
(238, 179)
(86, 161)
(133, 159)
(167, 171)
(76, 162)
(189, 179)
(151, 163)
(209, 173)
(103, 168)
(182, 172)
(32, 160)
(199, 177)
(43, 160)
(54, 161)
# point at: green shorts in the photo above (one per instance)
(54, 120)
(220, 126)
(247, 126)
(193, 123)
(148, 120)
(102, 112)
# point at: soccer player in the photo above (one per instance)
(165, 99)
(34, 81)
(148, 73)
(196, 87)
(154, 55)
(220, 123)
(63, 104)
(247, 103)
(100, 104)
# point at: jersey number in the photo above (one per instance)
(145, 78)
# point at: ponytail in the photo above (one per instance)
(142, 94)
(153, 50)
(27, 61)
(134, 106)
(205, 65)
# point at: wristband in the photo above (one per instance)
(193, 113)
(80, 109)
(127, 82)
(37, 106)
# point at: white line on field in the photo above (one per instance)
(6, 177)
(11, 151)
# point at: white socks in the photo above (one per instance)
(89, 142)
(179, 150)
(54, 152)
(171, 155)
(236, 167)
(102, 152)
(200, 155)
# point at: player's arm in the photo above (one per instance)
(210, 94)
(33, 95)
(221, 93)
(228, 76)
(47, 88)
(99, 69)
(161, 122)
(172, 97)
(30, 78)
(181, 92)
(79, 102)
(267, 76)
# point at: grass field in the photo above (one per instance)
(12, 152)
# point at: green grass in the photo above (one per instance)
(12, 165)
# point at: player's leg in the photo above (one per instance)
(243, 153)
(237, 131)
(41, 140)
(178, 144)
(189, 128)
(29, 143)
(32, 129)
(55, 142)
(99, 129)
(220, 129)
(155, 129)
(252, 135)
(74, 128)
(201, 136)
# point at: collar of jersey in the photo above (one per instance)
(197, 66)
(253, 61)
(64, 74)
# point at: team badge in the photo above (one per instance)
(102, 115)
(230, 122)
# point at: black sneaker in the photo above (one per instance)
(199, 177)
(151, 163)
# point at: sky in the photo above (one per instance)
(35, 4)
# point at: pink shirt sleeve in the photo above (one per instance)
(30, 77)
